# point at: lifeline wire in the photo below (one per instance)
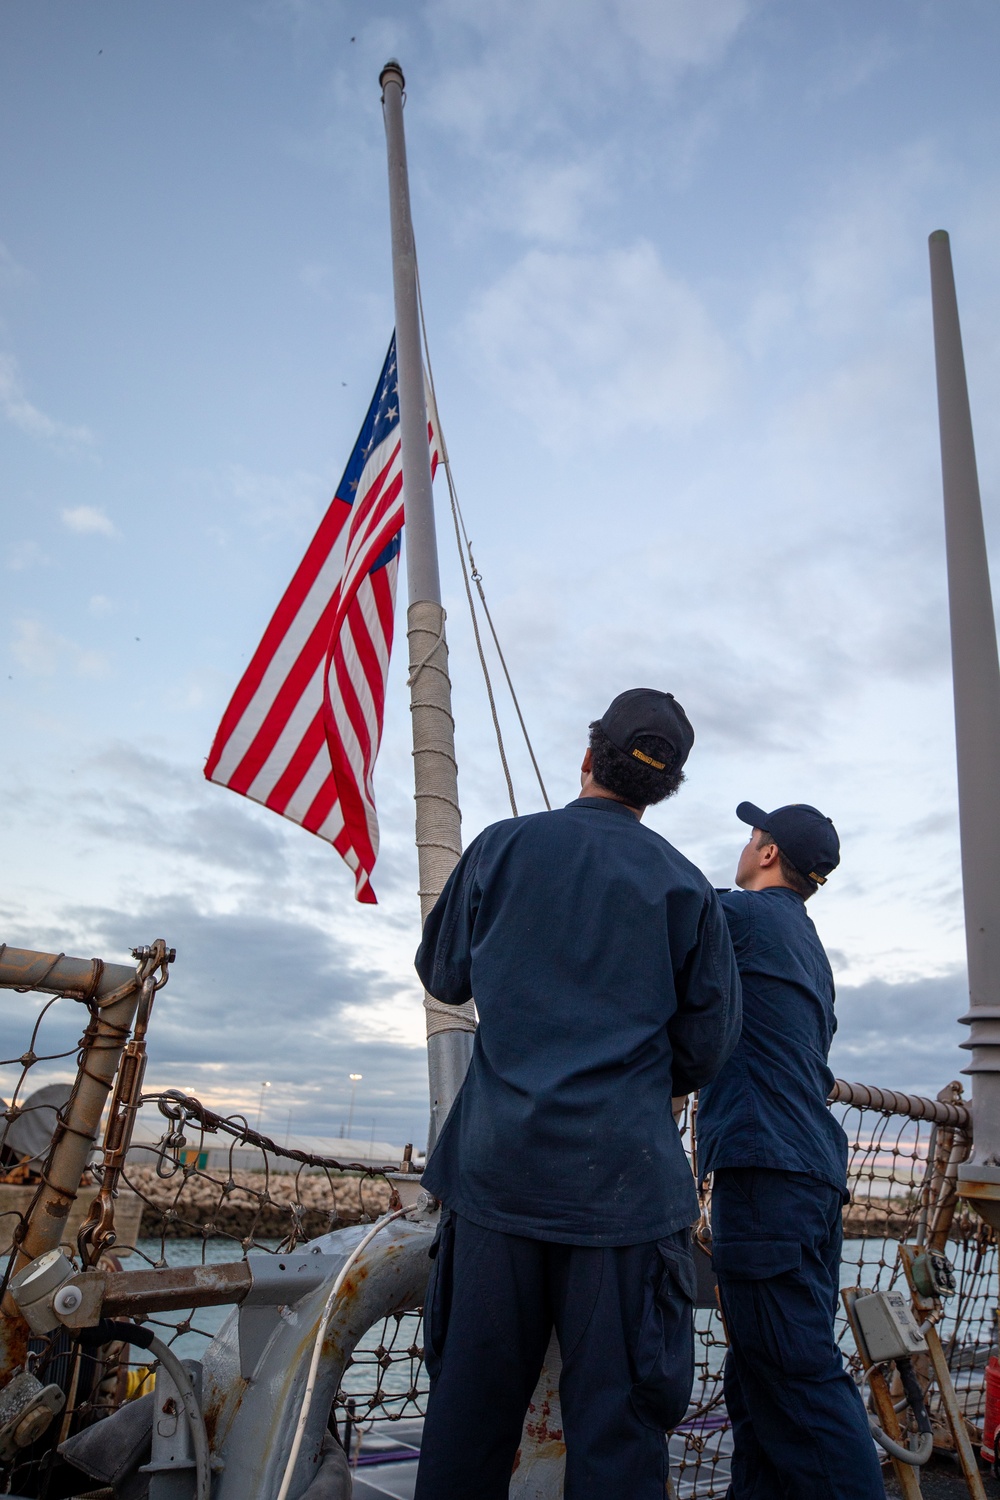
(460, 532)
(317, 1348)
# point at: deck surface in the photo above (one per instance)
(393, 1473)
(942, 1480)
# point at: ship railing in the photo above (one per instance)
(181, 1199)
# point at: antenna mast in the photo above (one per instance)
(435, 771)
(976, 677)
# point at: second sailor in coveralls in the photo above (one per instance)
(605, 982)
(779, 1160)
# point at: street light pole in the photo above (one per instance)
(355, 1080)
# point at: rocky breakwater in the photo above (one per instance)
(254, 1205)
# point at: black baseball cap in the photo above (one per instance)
(802, 833)
(641, 711)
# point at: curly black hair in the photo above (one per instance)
(629, 778)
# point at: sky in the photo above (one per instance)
(674, 265)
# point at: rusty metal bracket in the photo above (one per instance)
(925, 1308)
(906, 1476)
(97, 1234)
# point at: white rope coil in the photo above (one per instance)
(448, 1017)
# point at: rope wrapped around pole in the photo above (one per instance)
(435, 780)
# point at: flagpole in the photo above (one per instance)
(976, 675)
(435, 771)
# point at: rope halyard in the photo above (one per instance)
(469, 569)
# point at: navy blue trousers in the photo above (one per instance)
(799, 1426)
(623, 1318)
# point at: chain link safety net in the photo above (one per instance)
(902, 1178)
(184, 1186)
(187, 1186)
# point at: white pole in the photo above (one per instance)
(976, 676)
(435, 771)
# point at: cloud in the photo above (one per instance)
(260, 994)
(517, 65)
(599, 344)
(251, 996)
(547, 200)
(903, 1036)
(42, 652)
(88, 520)
(276, 501)
(24, 555)
(99, 605)
(316, 277)
(11, 273)
(29, 419)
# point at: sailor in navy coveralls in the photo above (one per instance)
(779, 1160)
(605, 982)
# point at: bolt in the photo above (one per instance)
(67, 1300)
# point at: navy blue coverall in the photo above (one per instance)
(605, 982)
(779, 1160)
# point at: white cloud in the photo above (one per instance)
(526, 62)
(316, 276)
(11, 274)
(88, 519)
(599, 344)
(23, 555)
(277, 499)
(548, 201)
(42, 652)
(100, 605)
(680, 33)
(35, 423)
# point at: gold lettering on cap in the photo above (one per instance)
(658, 765)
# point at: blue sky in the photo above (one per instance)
(675, 273)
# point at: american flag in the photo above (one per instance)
(303, 728)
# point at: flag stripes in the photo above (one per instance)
(303, 728)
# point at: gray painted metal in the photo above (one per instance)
(171, 1465)
(540, 1468)
(438, 819)
(251, 1423)
(976, 674)
(449, 1054)
(423, 580)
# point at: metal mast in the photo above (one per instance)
(976, 675)
(435, 771)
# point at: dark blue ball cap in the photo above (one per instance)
(641, 711)
(802, 833)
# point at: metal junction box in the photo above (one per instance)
(887, 1326)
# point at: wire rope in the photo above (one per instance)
(324, 1319)
(461, 535)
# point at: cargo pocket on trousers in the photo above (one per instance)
(757, 1284)
(755, 1260)
(437, 1302)
(663, 1357)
